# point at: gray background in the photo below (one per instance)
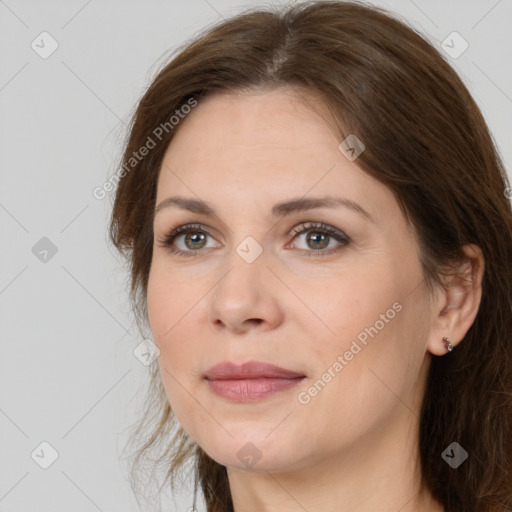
(68, 373)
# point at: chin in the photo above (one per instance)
(255, 453)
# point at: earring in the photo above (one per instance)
(448, 344)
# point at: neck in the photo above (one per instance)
(379, 472)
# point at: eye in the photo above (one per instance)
(319, 236)
(193, 239)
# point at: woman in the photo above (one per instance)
(319, 237)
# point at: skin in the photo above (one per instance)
(353, 446)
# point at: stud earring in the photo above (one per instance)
(448, 344)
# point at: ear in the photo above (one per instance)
(456, 307)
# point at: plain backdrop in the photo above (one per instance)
(68, 373)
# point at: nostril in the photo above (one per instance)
(256, 321)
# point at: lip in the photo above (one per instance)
(250, 381)
(249, 370)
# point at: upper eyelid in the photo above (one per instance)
(298, 229)
(183, 228)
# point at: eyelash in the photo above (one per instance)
(167, 240)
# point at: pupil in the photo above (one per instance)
(197, 236)
(310, 237)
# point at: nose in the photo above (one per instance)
(246, 298)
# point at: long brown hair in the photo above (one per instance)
(427, 141)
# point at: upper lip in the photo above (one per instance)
(249, 370)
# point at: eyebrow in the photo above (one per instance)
(279, 210)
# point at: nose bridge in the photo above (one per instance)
(249, 250)
(247, 266)
(243, 295)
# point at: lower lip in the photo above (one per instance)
(249, 390)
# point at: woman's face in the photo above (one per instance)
(346, 310)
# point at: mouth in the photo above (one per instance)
(250, 381)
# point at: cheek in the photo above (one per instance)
(158, 303)
(171, 309)
(167, 320)
(167, 314)
(352, 305)
(376, 364)
(170, 302)
(175, 353)
(370, 330)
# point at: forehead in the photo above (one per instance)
(262, 144)
(256, 120)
